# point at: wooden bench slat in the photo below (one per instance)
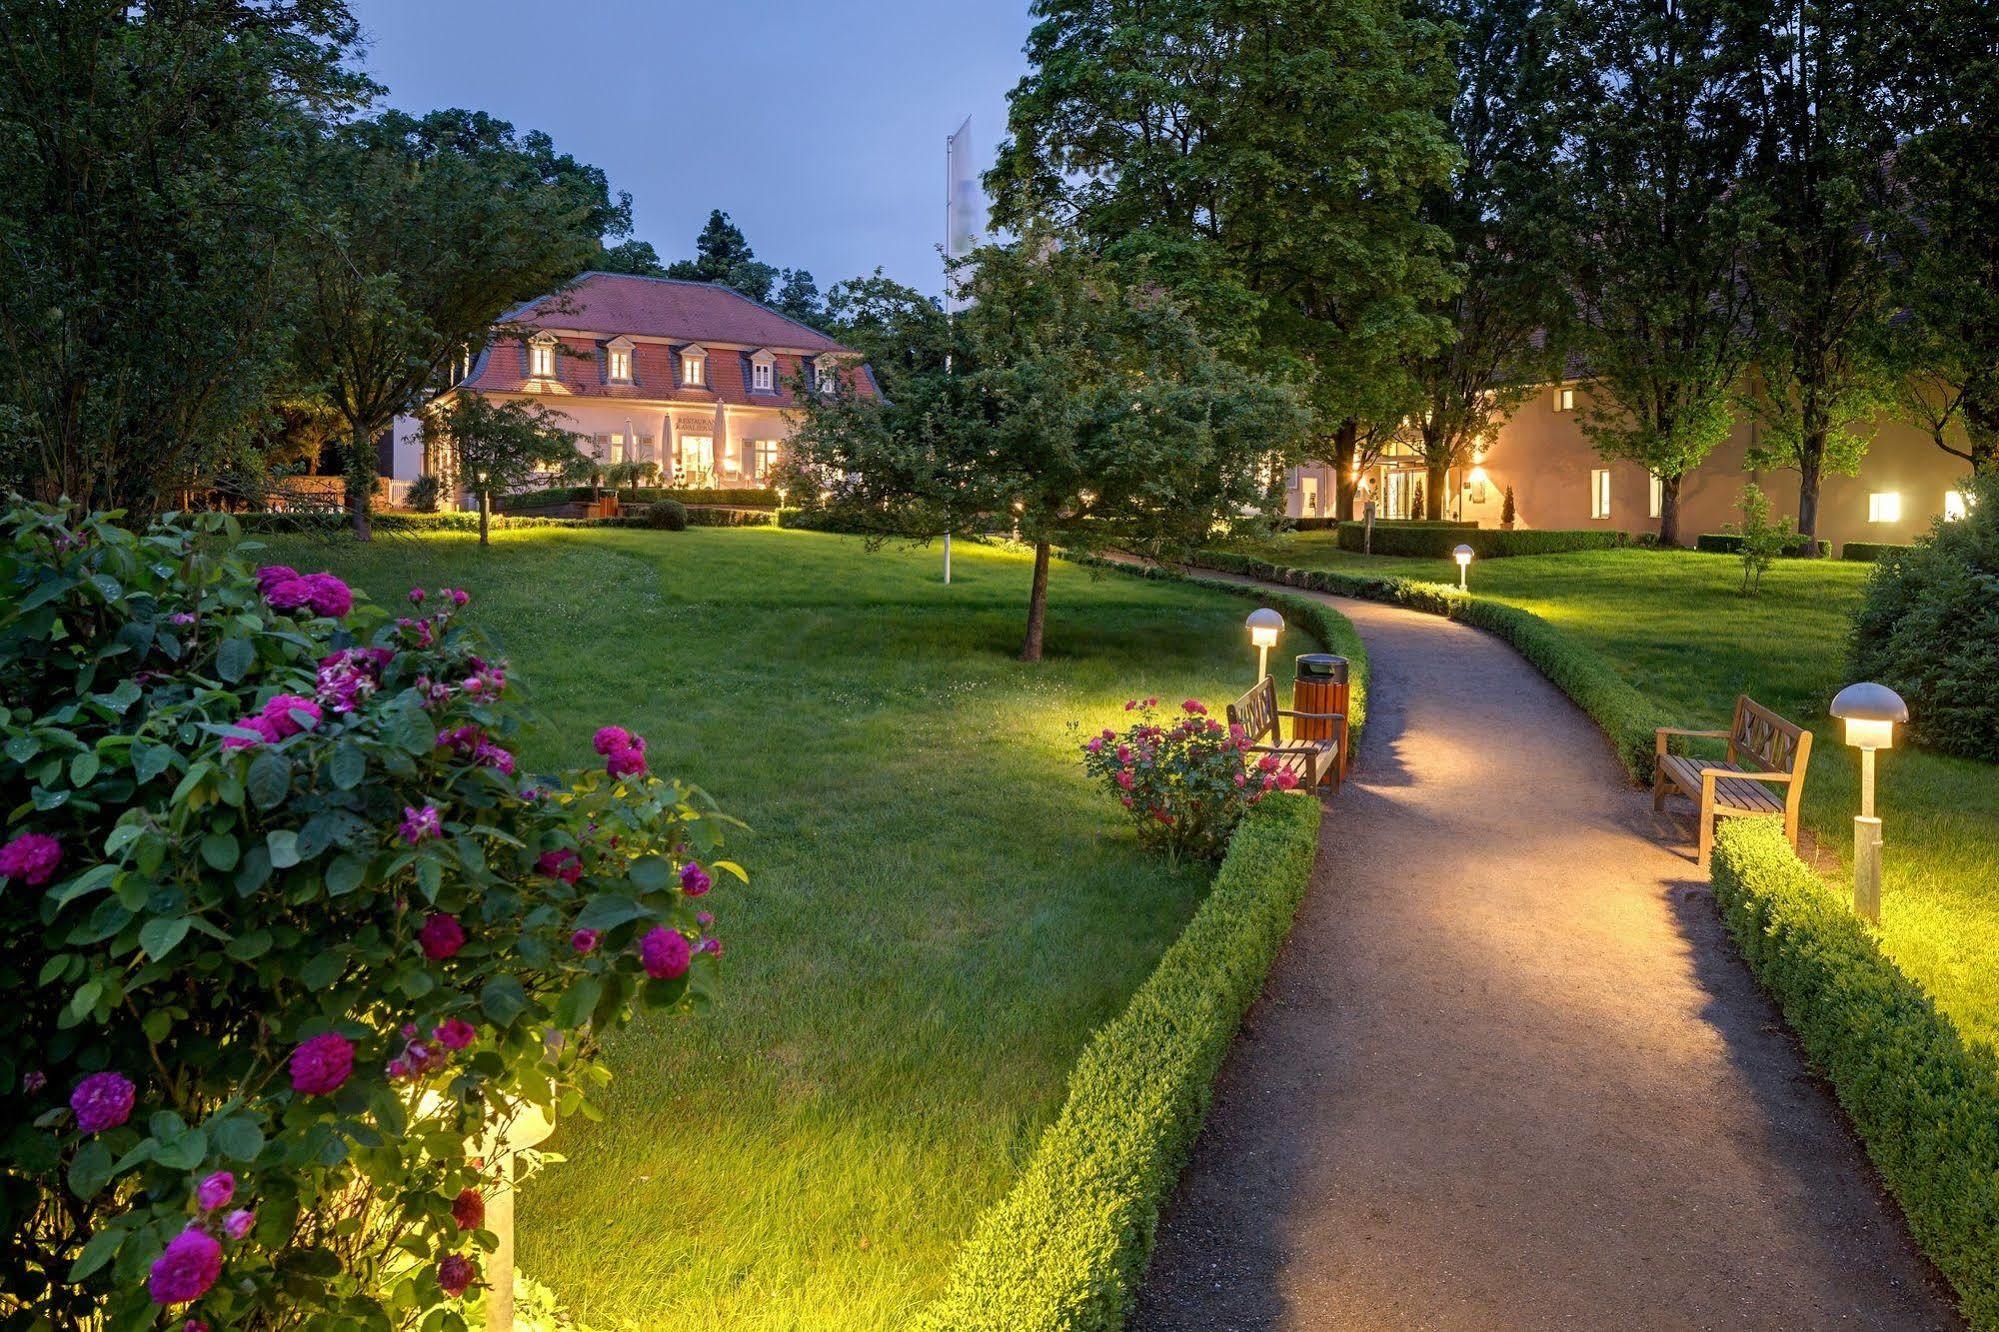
(1770, 744)
(1311, 761)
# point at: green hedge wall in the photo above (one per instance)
(332, 522)
(1323, 524)
(1728, 543)
(1867, 552)
(706, 515)
(1628, 717)
(756, 497)
(1925, 1103)
(1066, 1248)
(1487, 543)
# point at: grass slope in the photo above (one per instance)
(941, 911)
(1672, 624)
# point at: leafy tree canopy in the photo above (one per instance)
(496, 446)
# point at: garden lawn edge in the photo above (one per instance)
(1065, 1249)
(1924, 1101)
(1630, 719)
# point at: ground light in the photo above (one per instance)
(1264, 625)
(1870, 712)
(1463, 554)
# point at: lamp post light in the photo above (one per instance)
(1463, 556)
(1870, 712)
(1264, 625)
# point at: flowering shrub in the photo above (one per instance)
(1185, 785)
(287, 938)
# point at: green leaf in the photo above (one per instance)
(345, 874)
(347, 766)
(237, 1137)
(609, 911)
(503, 1000)
(270, 780)
(158, 1023)
(651, 873)
(283, 844)
(21, 748)
(219, 849)
(323, 970)
(83, 768)
(578, 1002)
(429, 877)
(249, 947)
(664, 993)
(103, 1246)
(234, 659)
(149, 761)
(160, 937)
(90, 1171)
(185, 1152)
(412, 729)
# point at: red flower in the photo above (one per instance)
(468, 1209)
(441, 936)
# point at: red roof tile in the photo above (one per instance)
(614, 303)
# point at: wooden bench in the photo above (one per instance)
(1312, 762)
(1765, 753)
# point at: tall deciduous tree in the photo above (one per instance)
(496, 447)
(1073, 400)
(428, 237)
(1656, 108)
(1818, 270)
(154, 166)
(1495, 210)
(1270, 158)
(723, 254)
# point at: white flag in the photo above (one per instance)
(964, 203)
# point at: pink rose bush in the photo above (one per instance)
(384, 934)
(1184, 785)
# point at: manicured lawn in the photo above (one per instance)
(1672, 623)
(940, 910)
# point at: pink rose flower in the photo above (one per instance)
(1124, 780)
(283, 711)
(262, 732)
(420, 825)
(626, 763)
(215, 1191)
(441, 936)
(1096, 744)
(455, 1033)
(563, 864)
(189, 1267)
(665, 953)
(585, 941)
(456, 1274)
(459, 596)
(694, 880)
(1194, 707)
(610, 739)
(468, 1210)
(292, 594)
(102, 1101)
(327, 595)
(30, 858)
(490, 755)
(416, 596)
(237, 1224)
(271, 575)
(321, 1066)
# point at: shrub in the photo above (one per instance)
(709, 516)
(1067, 1246)
(1794, 546)
(1867, 552)
(748, 497)
(1508, 514)
(1185, 786)
(1758, 541)
(1436, 541)
(285, 936)
(666, 516)
(424, 493)
(1929, 629)
(1925, 1103)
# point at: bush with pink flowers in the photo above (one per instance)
(287, 933)
(1185, 784)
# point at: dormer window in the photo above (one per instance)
(693, 367)
(763, 373)
(825, 375)
(618, 361)
(541, 356)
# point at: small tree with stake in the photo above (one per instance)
(498, 446)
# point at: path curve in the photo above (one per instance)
(1509, 1071)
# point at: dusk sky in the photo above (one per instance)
(819, 127)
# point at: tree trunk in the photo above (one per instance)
(485, 514)
(1346, 444)
(361, 483)
(1811, 474)
(1981, 432)
(1433, 490)
(1669, 511)
(1037, 605)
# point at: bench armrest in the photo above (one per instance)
(1660, 734)
(1750, 776)
(1313, 716)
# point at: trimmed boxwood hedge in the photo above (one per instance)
(334, 521)
(1065, 1249)
(751, 497)
(710, 515)
(1925, 1102)
(1728, 543)
(1628, 717)
(1488, 543)
(1324, 524)
(1867, 552)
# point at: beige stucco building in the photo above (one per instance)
(1560, 481)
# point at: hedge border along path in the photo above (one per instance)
(1629, 718)
(1926, 1104)
(1066, 1248)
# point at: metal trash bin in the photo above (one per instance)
(1320, 685)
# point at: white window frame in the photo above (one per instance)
(694, 367)
(1599, 493)
(702, 449)
(825, 376)
(618, 361)
(1655, 487)
(763, 373)
(1565, 397)
(1884, 506)
(541, 357)
(763, 458)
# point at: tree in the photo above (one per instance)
(1074, 399)
(723, 255)
(798, 297)
(1494, 210)
(430, 233)
(1818, 270)
(154, 163)
(633, 256)
(1655, 105)
(497, 447)
(1268, 160)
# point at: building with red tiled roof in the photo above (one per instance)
(691, 376)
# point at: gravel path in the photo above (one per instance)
(1509, 1071)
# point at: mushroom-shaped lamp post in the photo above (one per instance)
(1265, 625)
(528, 1128)
(1870, 712)
(1463, 556)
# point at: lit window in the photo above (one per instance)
(1884, 506)
(541, 358)
(1599, 493)
(763, 458)
(694, 367)
(825, 376)
(1657, 490)
(1953, 505)
(619, 361)
(1565, 399)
